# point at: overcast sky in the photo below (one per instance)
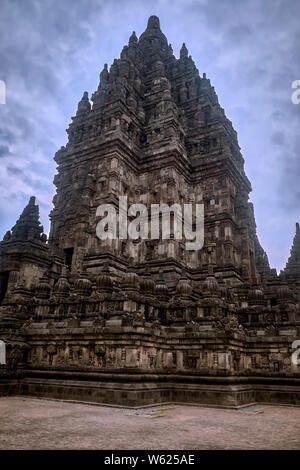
(51, 51)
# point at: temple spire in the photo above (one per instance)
(183, 51)
(293, 263)
(153, 37)
(84, 104)
(133, 39)
(153, 22)
(104, 74)
(28, 225)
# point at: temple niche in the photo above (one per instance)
(146, 320)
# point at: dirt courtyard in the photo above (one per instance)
(28, 423)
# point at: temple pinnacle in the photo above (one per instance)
(153, 22)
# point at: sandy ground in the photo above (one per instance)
(28, 423)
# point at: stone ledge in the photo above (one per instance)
(133, 393)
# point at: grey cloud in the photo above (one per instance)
(277, 116)
(290, 175)
(4, 151)
(7, 135)
(278, 138)
(13, 170)
(239, 33)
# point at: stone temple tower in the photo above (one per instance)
(156, 134)
(137, 320)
